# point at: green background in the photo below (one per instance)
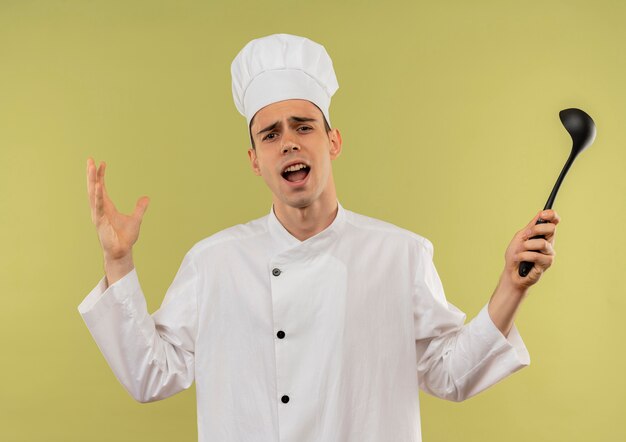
(449, 115)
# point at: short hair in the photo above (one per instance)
(326, 126)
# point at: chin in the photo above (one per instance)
(298, 202)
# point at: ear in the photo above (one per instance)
(254, 162)
(335, 143)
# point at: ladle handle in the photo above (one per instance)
(525, 266)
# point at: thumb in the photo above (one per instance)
(523, 233)
(534, 220)
(141, 207)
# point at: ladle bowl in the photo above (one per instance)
(580, 126)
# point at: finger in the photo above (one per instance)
(525, 233)
(534, 229)
(539, 245)
(91, 183)
(551, 216)
(99, 201)
(105, 195)
(547, 230)
(538, 259)
(101, 172)
(141, 207)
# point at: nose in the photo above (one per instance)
(289, 147)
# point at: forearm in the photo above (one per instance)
(504, 304)
(146, 362)
(459, 365)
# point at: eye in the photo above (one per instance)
(269, 136)
(305, 128)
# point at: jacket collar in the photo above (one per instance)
(284, 241)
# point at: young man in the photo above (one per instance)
(312, 323)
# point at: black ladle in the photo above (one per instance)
(582, 129)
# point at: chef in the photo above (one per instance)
(312, 323)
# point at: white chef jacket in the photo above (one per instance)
(321, 340)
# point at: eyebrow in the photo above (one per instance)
(292, 119)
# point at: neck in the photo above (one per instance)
(305, 222)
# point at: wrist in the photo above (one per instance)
(116, 268)
(507, 285)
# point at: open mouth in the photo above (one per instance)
(296, 172)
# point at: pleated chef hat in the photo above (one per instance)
(282, 67)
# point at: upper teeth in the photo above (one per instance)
(295, 167)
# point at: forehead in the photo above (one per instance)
(285, 109)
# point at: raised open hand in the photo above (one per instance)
(117, 232)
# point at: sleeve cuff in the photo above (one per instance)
(97, 303)
(512, 344)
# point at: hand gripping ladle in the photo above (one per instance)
(582, 129)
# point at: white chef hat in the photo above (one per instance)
(282, 67)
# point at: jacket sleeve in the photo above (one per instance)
(152, 356)
(457, 361)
